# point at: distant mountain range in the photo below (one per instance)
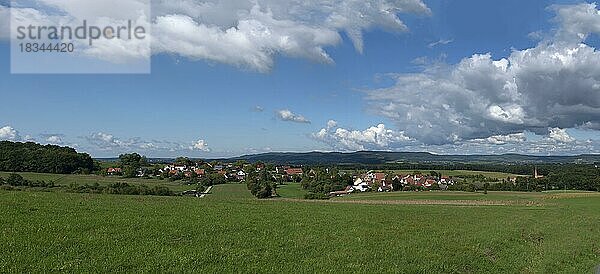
(381, 157)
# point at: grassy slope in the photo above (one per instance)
(229, 231)
(67, 179)
(291, 190)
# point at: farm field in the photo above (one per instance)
(291, 190)
(489, 174)
(67, 179)
(230, 231)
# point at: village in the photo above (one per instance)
(281, 174)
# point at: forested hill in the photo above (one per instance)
(32, 157)
(380, 157)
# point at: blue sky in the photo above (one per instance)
(235, 108)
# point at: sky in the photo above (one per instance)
(241, 77)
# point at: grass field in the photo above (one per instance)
(230, 231)
(455, 173)
(67, 179)
(291, 190)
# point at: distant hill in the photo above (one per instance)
(380, 157)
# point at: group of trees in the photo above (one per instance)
(32, 157)
(560, 177)
(261, 184)
(121, 189)
(131, 163)
(324, 180)
(16, 180)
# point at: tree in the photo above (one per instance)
(184, 161)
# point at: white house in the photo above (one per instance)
(361, 185)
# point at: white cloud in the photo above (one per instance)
(289, 116)
(243, 33)
(440, 42)
(8, 133)
(373, 138)
(200, 145)
(54, 139)
(503, 139)
(100, 13)
(107, 142)
(560, 135)
(552, 85)
(331, 124)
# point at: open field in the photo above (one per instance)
(230, 231)
(67, 179)
(454, 173)
(291, 190)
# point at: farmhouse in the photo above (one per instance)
(114, 171)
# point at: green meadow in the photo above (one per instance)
(230, 231)
(67, 179)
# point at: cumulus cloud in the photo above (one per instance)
(560, 135)
(200, 145)
(258, 109)
(54, 139)
(555, 84)
(503, 139)
(8, 133)
(373, 138)
(331, 124)
(289, 116)
(243, 33)
(108, 142)
(99, 13)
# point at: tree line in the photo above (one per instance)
(33, 157)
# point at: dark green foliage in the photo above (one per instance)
(121, 189)
(322, 180)
(131, 163)
(185, 161)
(32, 157)
(315, 196)
(16, 180)
(212, 179)
(260, 184)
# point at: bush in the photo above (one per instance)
(315, 196)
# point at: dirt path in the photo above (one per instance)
(205, 192)
(419, 202)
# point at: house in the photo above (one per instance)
(346, 191)
(114, 171)
(294, 171)
(360, 185)
(386, 186)
(240, 175)
(200, 172)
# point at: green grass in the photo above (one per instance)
(67, 179)
(445, 195)
(230, 231)
(291, 190)
(455, 173)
